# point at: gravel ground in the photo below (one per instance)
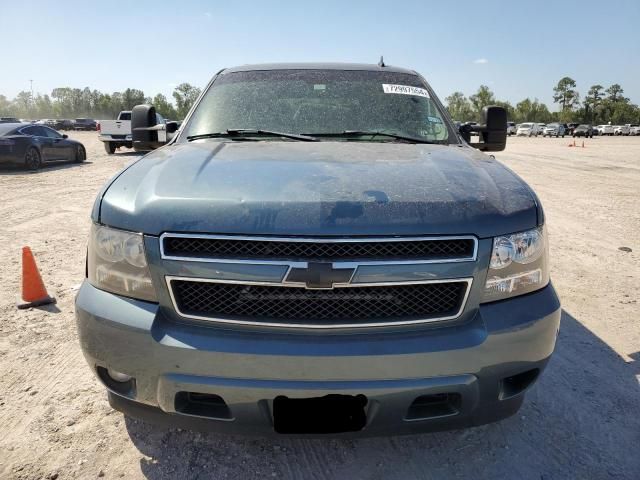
(580, 421)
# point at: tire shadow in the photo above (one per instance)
(579, 421)
(47, 167)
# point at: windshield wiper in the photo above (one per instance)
(241, 132)
(373, 133)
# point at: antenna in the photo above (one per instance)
(381, 62)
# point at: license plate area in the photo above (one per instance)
(329, 414)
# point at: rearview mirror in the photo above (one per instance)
(493, 131)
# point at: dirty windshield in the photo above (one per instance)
(321, 102)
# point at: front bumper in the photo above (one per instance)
(248, 369)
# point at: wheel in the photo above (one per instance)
(81, 155)
(110, 148)
(32, 159)
(563, 135)
(557, 135)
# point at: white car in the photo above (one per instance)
(634, 130)
(605, 129)
(511, 128)
(527, 130)
(622, 129)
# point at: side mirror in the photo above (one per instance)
(144, 129)
(493, 131)
(65, 136)
(172, 127)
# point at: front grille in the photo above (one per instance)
(281, 249)
(292, 305)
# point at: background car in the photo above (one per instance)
(527, 129)
(32, 145)
(605, 129)
(9, 120)
(634, 130)
(571, 127)
(622, 130)
(583, 131)
(85, 124)
(554, 130)
(511, 128)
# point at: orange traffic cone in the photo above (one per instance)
(33, 292)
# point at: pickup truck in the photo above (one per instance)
(117, 133)
(318, 251)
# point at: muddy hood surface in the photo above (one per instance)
(324, 188)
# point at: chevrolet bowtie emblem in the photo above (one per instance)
(319, 275)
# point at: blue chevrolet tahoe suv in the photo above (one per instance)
(317, 250)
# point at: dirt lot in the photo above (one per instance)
(582, 420)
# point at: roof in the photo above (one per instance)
(317, 66)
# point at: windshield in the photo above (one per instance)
(526, 125)
(321, 102)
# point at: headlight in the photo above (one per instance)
(518, 265)
(117, 263)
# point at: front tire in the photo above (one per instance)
(81, 154)
(110, 148)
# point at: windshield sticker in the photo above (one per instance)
(405, 90)
(434, 119)
(318, 86)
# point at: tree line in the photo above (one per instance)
(599, 106)
(66, 102)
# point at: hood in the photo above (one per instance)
(317, 189)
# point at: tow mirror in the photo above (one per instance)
(145, 132)
(172, 127)
(493, 131)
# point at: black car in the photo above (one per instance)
(583, 131)
(9, 120)
(571, 127)
(32, 145)
(85, 124)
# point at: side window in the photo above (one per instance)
(49, 132)
(34, 131)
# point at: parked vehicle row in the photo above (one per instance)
(56, 124)
(556, 129)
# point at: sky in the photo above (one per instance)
(518, 49)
